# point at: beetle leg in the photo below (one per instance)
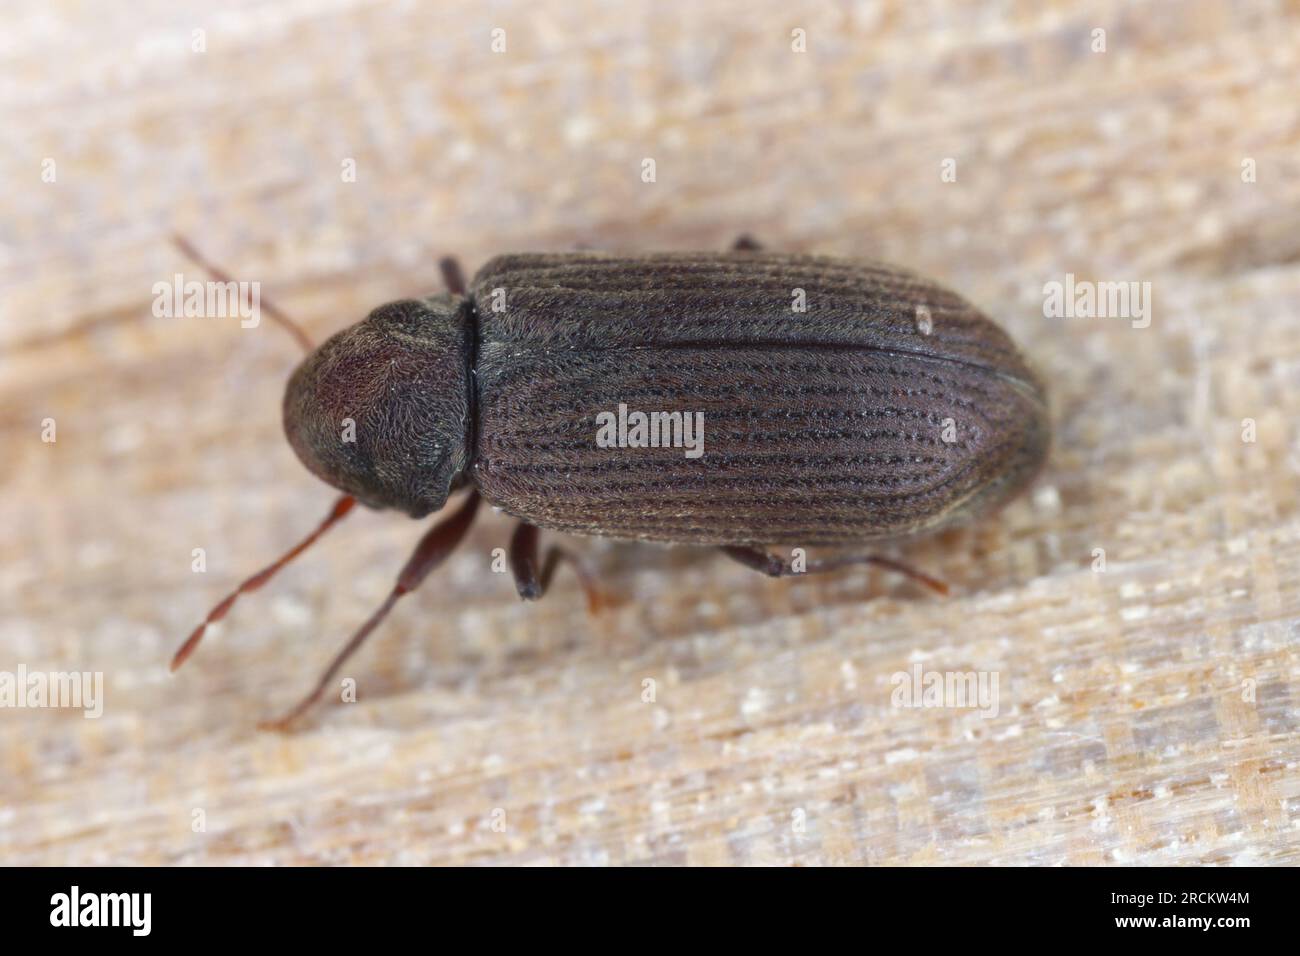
(774, 567)
(452, 275)
(746, 243)
(532, 579)
(439, 542)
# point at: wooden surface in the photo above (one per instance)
(1146, 714)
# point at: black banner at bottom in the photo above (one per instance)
(334, 906)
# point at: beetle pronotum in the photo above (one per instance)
(845, 401)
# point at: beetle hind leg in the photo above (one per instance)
(774, 567)
(533, 577)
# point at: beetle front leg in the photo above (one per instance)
(533, 578)
(453, 276)
(774, 567)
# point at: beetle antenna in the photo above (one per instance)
(438, 542)
(278, 315)
(341, 508)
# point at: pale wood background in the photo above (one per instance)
(1126, 733)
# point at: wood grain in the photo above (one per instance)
(1146, 713)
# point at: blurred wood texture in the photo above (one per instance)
(1147, 714)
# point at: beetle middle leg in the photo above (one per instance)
(439, 542)
(774, 567)
(533, 578)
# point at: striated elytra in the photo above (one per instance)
(821, 401)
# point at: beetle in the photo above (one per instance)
(837, 402)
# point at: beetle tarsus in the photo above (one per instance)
(533, 578)
(769, 564)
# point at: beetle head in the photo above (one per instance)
(382, 409)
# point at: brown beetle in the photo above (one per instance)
(828, 402)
